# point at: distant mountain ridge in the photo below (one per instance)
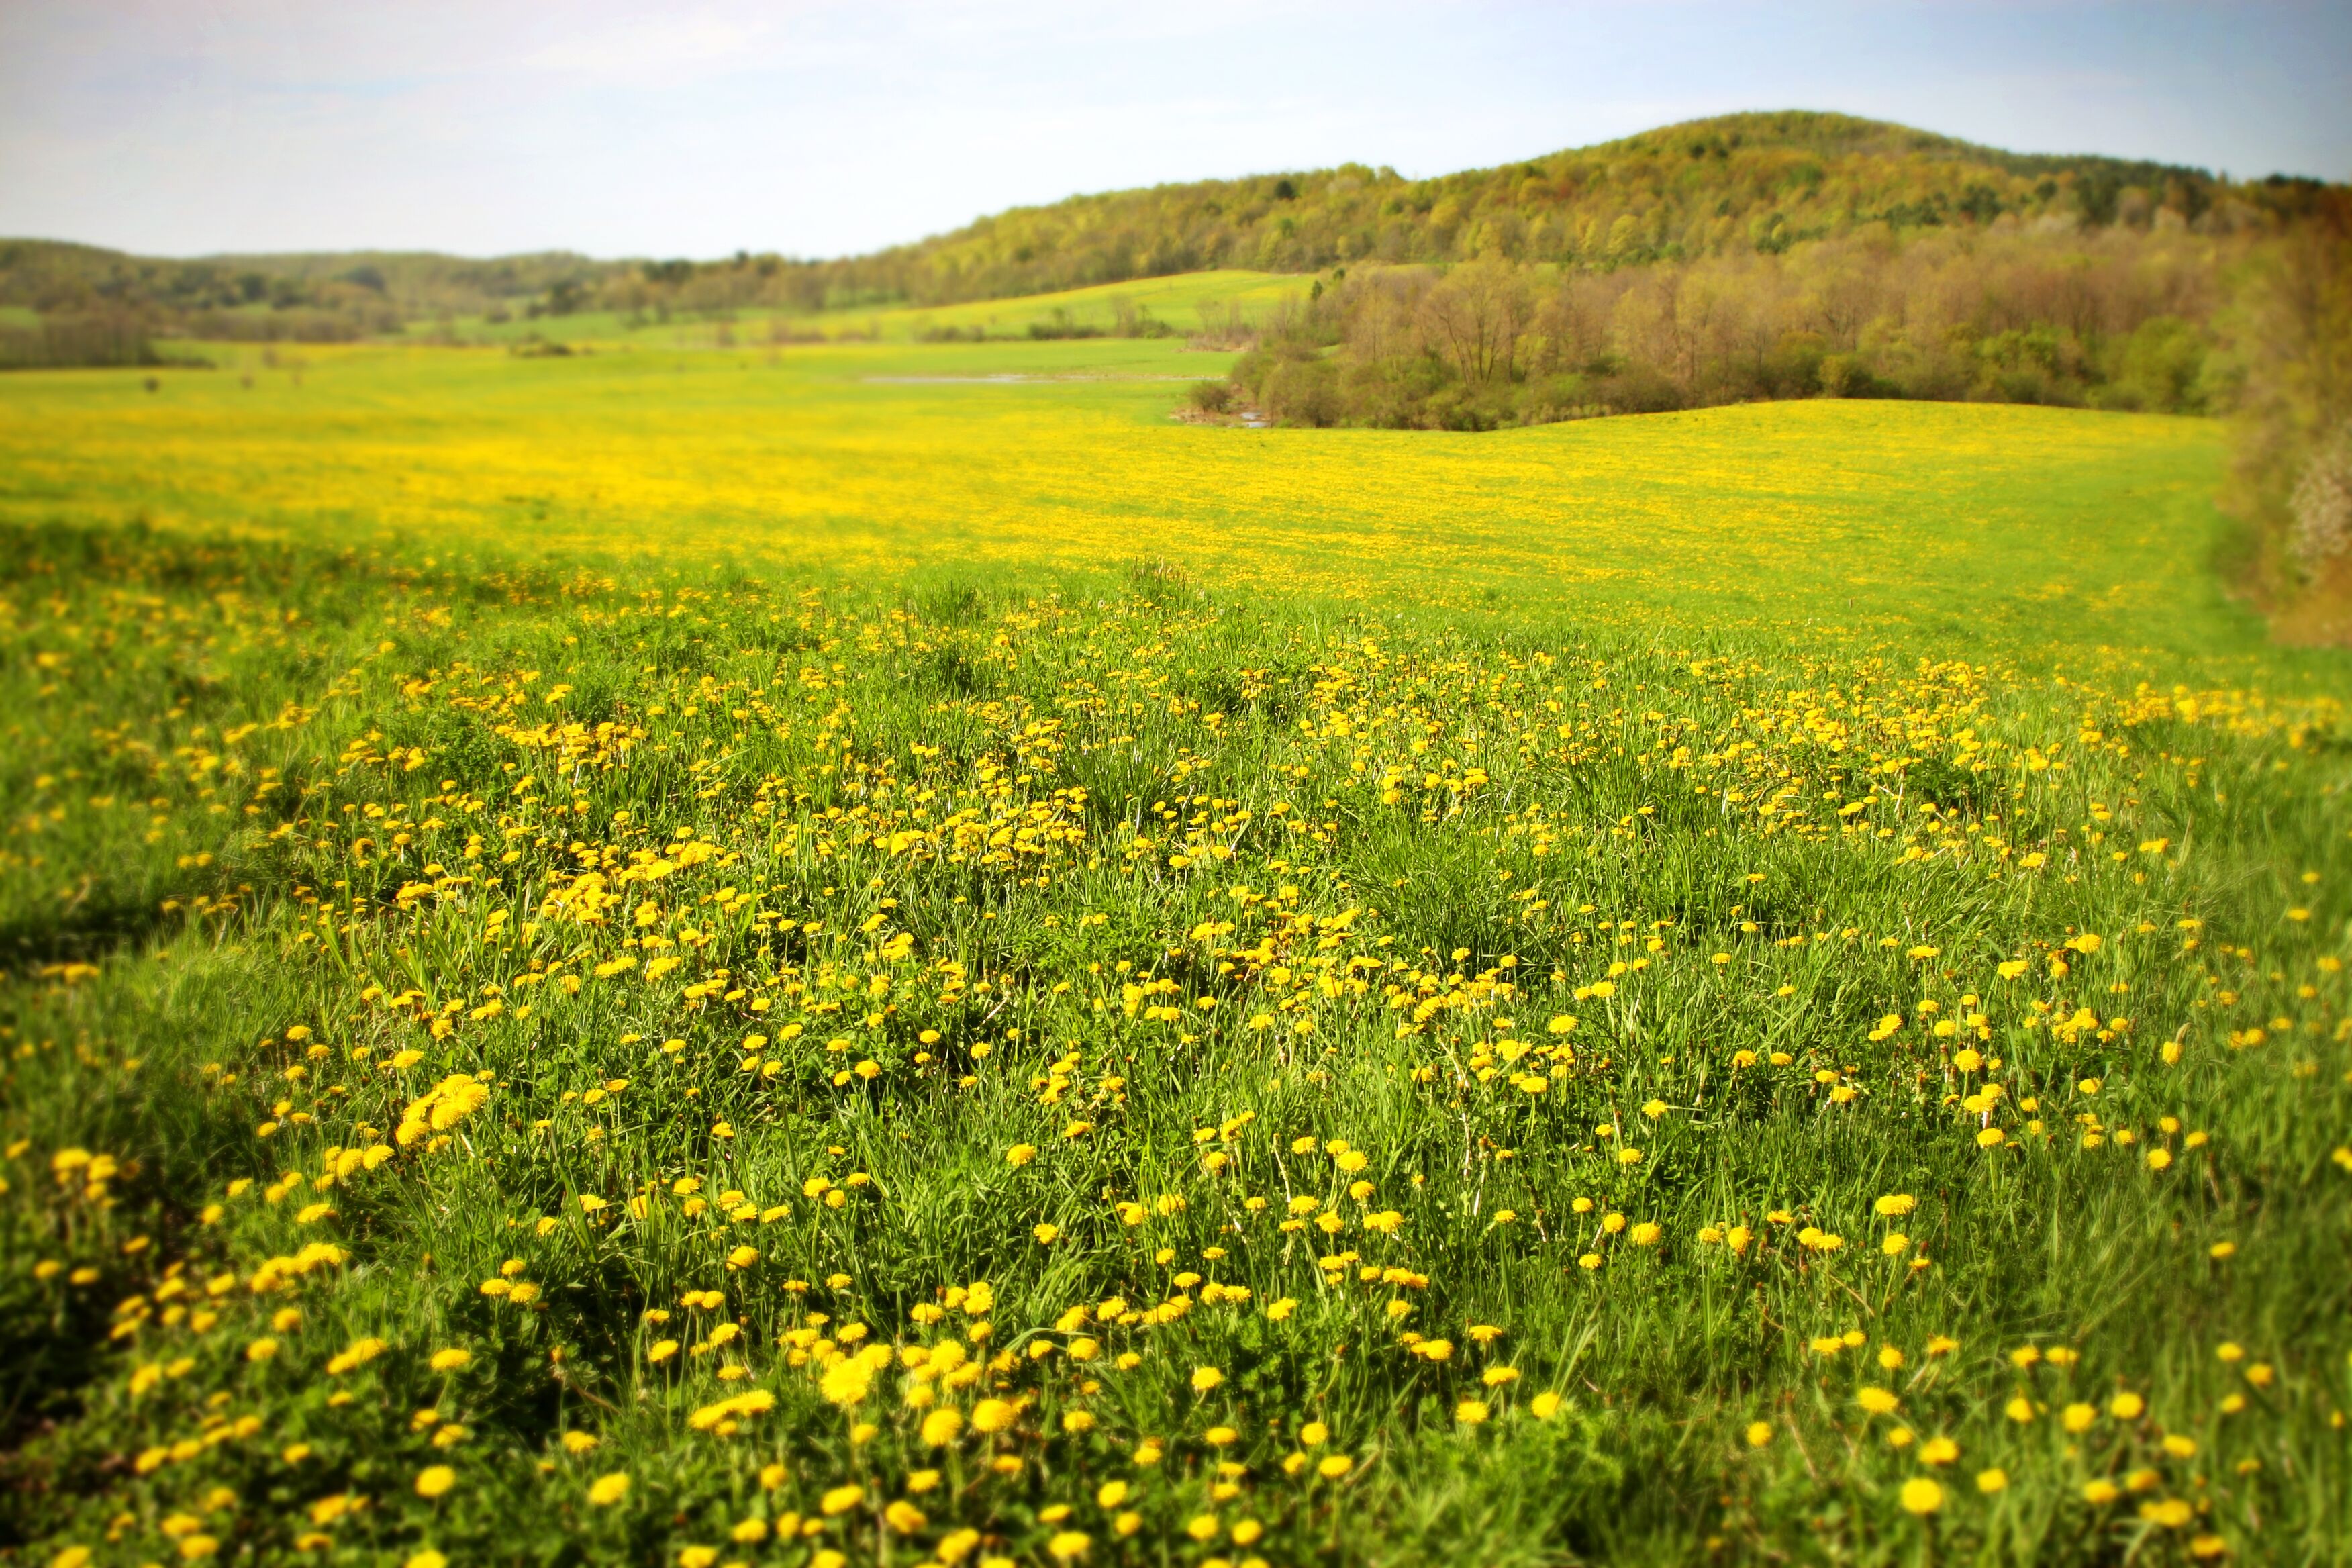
(1759, 181)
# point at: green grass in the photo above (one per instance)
(997, 758)
(1176, 303)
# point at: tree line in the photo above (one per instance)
(92, 295)
(67, 341)
(2114, 318)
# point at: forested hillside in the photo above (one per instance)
(1736, 185)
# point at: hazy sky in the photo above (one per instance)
(181, 127)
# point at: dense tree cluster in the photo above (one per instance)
(2113, 318)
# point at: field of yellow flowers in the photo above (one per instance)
(2038, 529)
(772, 1052)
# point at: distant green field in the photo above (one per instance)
(881, 954)
(1176, 303)
(1172, 304)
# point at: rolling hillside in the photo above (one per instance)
(1758, 182)
(1736, 184)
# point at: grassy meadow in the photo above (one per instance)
(2038, 529)
(878, 953)
(1182, 304)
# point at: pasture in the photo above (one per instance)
(875, 952)
(2022, 529)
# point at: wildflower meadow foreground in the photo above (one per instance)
(545, 1063)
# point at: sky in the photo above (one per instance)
(816, 128)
